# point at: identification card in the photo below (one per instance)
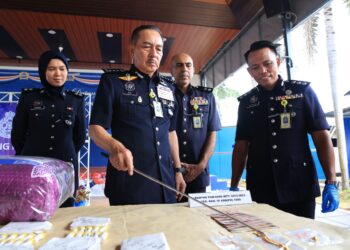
(285, 121)
(158, 111)
(197, 121)
(165, 93)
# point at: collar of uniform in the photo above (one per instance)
(60, 93)
(189, 91)
(140, 74)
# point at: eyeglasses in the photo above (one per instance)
(266, 65)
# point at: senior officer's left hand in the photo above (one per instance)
(192, 171)
(330, 198)
(180, 185)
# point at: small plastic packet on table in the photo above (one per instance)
(23, 235)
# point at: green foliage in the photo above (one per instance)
(222, 92)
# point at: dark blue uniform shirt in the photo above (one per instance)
(124, 104)
(50, 125)
(191, 139)
(280, 167)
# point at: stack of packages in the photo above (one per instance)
(32, 188)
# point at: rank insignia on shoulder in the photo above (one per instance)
(113, 70)
(299, 82)
(206, 89)
(166, 79)
(26, 90)
(76, 93)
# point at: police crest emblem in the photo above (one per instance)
(129, 86)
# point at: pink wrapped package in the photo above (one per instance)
(32, 188)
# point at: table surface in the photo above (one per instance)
(184, 227)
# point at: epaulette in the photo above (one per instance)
(206, 89)
(169, 79)
(75, 93)
(252, 91)
(113, 71)
(29, 90)
(297, 82)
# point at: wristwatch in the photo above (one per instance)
(180, 170)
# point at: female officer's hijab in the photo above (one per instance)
(44, 60)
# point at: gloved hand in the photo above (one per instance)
(234, 188)
(330, 198)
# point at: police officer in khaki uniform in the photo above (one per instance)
(50, 122)
(274, 120)
(140, 109)
(197, 123)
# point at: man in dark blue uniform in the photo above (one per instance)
(197, 123)
(50, 122)
(139, 107)
(274, 120)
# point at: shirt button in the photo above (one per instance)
(272, 109)
(52, 126)
(252, 112)
(53, 105)
(185, 119)
(52, 137)
(275, 160)
(185, 130)
(71, 159)
(50, 148)
(305, 164)
(184, 143)
(158, 143)
(184, 98)
(185, 109)
(273, 133)
(271, 98)
(272, 120)
(36, 114)
(53, 115)
(274, 146)
(157, 128)
(132, 102)
(184, 155)
(160, 157)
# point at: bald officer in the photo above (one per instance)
(197, 123)
(140, 109)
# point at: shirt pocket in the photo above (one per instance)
(203, 109)
(134, 107)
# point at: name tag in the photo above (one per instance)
(165, 93)
(221, 198)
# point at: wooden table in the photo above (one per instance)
(184, 227)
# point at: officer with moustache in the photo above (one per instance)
(140, 109)
(274, 120)
(197, 123)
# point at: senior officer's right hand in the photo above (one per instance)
(122, 160)
(180, 185)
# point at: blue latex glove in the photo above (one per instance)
(330, 198)
(234, 188)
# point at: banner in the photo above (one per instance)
(7, 112)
